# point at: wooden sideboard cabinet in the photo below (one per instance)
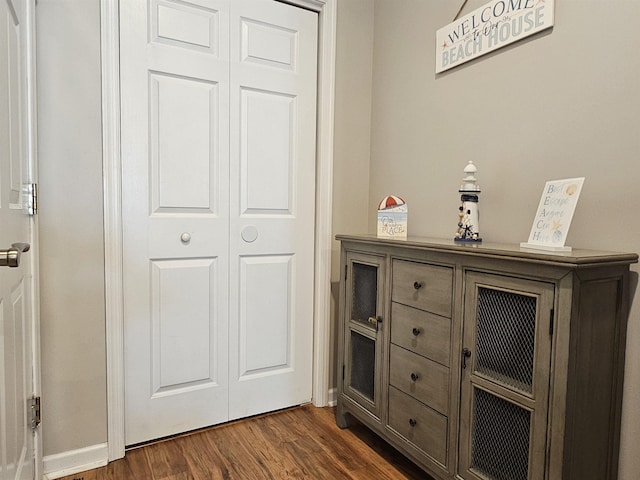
(485, 362)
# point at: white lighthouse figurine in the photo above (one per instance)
(468, 216)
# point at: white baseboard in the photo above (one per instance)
(75, 461)
(333, 393)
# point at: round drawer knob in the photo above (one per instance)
(415, 331)
(414, 377)
(417, 285)
(413, 422)
(185, 237)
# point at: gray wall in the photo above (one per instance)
(70, 221)
(352, 133)
(562, 104)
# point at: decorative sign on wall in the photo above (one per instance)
(553, 218)
(490, 27)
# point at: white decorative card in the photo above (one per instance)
(553, 218)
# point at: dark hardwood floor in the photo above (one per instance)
(298, 443)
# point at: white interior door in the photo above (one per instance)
(273, 127)
(185, 259)
(17, 458)
(175, 167)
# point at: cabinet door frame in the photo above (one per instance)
(537, 402)
(374, 332)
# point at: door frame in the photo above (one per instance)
(113, 244)
(32, 152)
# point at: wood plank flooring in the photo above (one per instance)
(299, 443)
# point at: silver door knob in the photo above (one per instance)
(11, 256)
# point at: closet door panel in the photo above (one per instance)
(184, 325)
(266, 314)
(175, 174)
(272, 202)
(218, 105)
(266, 163)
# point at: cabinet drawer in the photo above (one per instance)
(421, 332)
(420, 425)
(431, 384)
(423, 286)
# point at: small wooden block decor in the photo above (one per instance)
(490, 27)
(392, 217)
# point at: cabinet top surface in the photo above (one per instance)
(577, 257)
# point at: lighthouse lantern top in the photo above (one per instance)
(470, 181)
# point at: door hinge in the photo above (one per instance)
(342, 372)
(34, 408)
(32, 198)
(346, 268)
(551, 322)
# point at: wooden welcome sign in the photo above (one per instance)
(490, 27)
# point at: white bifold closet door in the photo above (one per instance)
(218, 106)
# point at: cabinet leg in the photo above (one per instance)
(343, 419)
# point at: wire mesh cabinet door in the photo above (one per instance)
(506, 361)
(364, 310)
